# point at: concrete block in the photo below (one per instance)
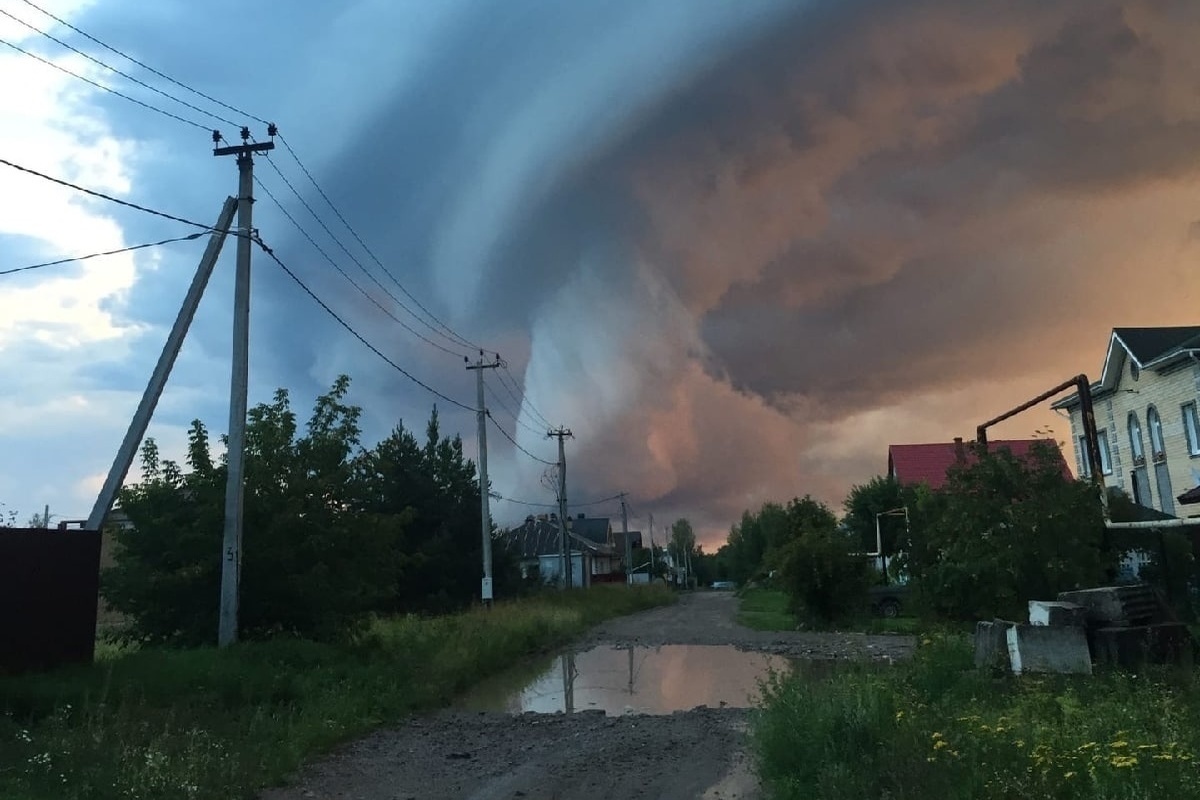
(991, 644)
(1041, 648)
(1120, 606)
(1055, 613)
(1133, 646)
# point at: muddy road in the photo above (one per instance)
(493, 755)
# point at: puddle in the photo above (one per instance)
(629, 680)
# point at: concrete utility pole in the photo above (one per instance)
(564, 544)
(162, 370)
(485, 512)
(628, 545)
(651, 548)
(231, 560)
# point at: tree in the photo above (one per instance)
(1004, 531)
(314, 560)
(877, 496)
(824, 580)
(682, 545)
(8, 517)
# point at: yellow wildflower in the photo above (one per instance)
(1120, 743)
(899, 715)
(939, 744)
(935, 735)
(1122, 762)
(1070, 775)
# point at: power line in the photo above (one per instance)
(506, 435)
(521, 401)
(110, 198)
(111, 68)
(555, 505)
(450, 331)
(345, 274)
(367, 272)
(509, 411)
(145, 66)
(358, 335)
(109, 89)
(189, 237)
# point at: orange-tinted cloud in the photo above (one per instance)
(888, 224)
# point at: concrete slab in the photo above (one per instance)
(1133, 646)
(991, 644)
(1122, 606)
(1041, 648)
(1056, 613)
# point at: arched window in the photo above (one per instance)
(1135, 437)
(1156, 435)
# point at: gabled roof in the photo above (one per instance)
(1148, 347)
(540, 537)
(929, 463)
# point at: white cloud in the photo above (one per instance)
(53, 323)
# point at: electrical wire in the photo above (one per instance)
(270, 252)
(555, 505)
(130, 249)
(513, 441)
(113, 69)
(110, 198)
(509, 411)
(367, 272)
(108, 89)
(145, 66)
(337, 267)
(522, 401)
(459, 338)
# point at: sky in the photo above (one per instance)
(736, 248)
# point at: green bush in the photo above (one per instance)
(1004, 531)
(824, 581)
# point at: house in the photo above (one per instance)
(929, 463)
(538, 549)
(1145, 410)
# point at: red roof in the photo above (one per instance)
(929, 463)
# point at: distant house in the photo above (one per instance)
(1145, 409)
(911, 464)
(538, 547)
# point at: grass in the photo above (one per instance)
(935, 727)
(765, 610)
(204, 723)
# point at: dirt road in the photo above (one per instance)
(489, 756)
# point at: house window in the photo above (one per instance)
(1191, 427)
(1157, 449)
(1105, 455)
(1135, 440)
(1085, 469)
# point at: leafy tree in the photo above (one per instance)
(314, 560)
(754, 541)
(824, 580)
(876, 496)
(8, 518)
(1004, 531)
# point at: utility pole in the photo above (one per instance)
(231, 560)
(485, 513)
(564, 545)
(628, 545)
(162, 370)
(651, 548)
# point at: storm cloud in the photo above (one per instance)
(737, 248)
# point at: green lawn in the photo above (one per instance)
(765, 610)
(204, 723)
(935, 727)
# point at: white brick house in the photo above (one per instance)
(1146, 416)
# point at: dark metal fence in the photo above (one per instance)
(49, 591)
